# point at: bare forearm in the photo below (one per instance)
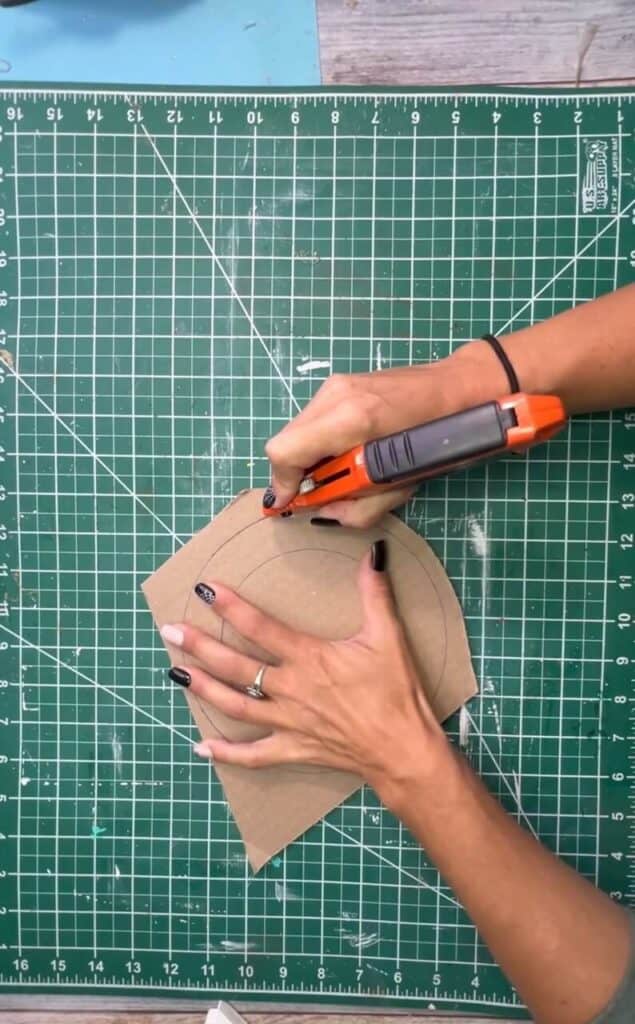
(586, 356)
(561, 942)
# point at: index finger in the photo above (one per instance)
(282, 641)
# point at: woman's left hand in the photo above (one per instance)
(354, 704)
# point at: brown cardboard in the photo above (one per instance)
(306, 576)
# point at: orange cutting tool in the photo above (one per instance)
(513, 423)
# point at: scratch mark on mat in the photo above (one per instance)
(304, 256)
(497, 721)
(313, 364)
(283, 893)
(361, 941)
(477, 536)
(245, 159)
(464, 727)
(223, 453)
(116, 753)
(373, 967)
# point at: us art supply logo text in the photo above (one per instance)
(598, 193)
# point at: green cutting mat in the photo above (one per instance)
(178, 272)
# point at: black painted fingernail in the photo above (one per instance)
(324, 521)
(180, 676)
(269, 498)
(205, 593)
(378, 555)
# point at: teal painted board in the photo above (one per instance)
(176, 42)
(360, 230)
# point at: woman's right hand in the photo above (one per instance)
(351, 409)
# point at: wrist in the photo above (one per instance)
(531, 353)
(480, 372)
(420, 765)
(470, 376)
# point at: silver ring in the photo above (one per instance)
(255, 690)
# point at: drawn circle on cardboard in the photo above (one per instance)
(307, 577)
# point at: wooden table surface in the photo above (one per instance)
(476, 42)
(437, 42)
(129, 1017)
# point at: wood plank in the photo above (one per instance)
(128, 1017)
(444, 42)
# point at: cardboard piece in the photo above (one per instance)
(223, 1013)
(306, 576)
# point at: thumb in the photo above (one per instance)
(285, 482)
(288, 463)
(365, 511)
(378, 604)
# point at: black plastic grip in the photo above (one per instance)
(441, 443)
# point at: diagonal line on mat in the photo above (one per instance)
(104, 465)
(502, 775)
(386, 860)
(93, 682)
(232, 287)
(569, 263)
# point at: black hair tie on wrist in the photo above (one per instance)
(504, 360)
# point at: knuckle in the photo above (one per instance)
(236, 609)
(243, 707)
(360, 513)
(301, 678)
(228, 597)
(193, 640)
(321, 660)
(339, 385)
(254, 758)
(274, 448)
(364, 518)
(279, 678)
(362, 409)
(250, 620)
